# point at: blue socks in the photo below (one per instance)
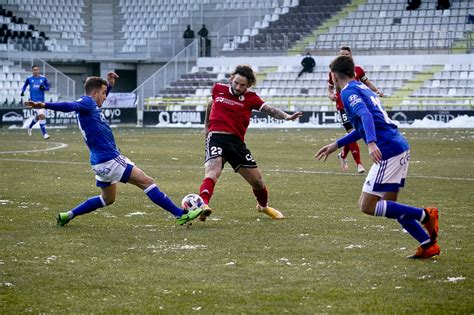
(32, 123)
(87, 206)
(415, 229)
(394, 210)
(409, 217)
(162, 200)
(152, 192)
(43, 127)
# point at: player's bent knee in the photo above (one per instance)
(108, 201)
(367, 207)
(148, 181)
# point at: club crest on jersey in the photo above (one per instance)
(354, 99)
(241, 98)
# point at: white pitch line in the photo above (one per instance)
(229, 170)
(59, 145)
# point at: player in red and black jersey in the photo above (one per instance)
(227, 120)
(334, 96)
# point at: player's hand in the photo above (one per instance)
(380, 93)
(111, 77)
(375, 152)
(332, 97)
(294, 116)
(22, 94)
(37, 105)
(42, 87)
(325, 151)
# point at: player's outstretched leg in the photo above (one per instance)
(161, 199)
(87, 206)
(189, 216)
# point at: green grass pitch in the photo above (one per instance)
(325, 257)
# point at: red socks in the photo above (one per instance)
(207, 189)
(354, 147)
(345, 151)
(262, 196)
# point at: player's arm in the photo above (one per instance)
(59, 106)
(371, 86)
(111, 78)
(325, 151)
(278, 113)
(350, 98)
(331, 94)
(370, 136)
(206, 118)
(45, 85)
(25, 85)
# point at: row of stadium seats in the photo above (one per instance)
(144, 22)
(241, 5)
(19, 34)
(287, 24)
(62, 17)
(389, 25)
(51, 3)
(444, 92)
(158, 2)
(453, 75)
(284, 81)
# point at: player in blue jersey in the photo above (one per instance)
(107, 162)
(38, 84)
(391, 155)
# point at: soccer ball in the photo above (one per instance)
(192, 202)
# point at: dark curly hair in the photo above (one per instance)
(245, 71)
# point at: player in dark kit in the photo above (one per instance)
(109, 165)
(227, 119)
(334, 96)
(390, 152)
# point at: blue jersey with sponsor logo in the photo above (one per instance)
(361, 104)
(36, 93)
(94, 128)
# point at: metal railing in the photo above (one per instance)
(170, 72)
(59, 82)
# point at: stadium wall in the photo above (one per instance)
(310, 119)
(326, 60)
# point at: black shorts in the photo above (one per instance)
(345, 121)
(231, 149)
